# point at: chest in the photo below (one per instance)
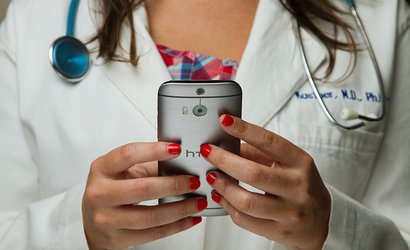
(217, 28)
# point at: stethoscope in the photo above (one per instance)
(71, 60)
(68, 55)
(346, 113)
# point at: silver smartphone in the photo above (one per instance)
(188, 113)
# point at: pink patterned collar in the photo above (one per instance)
(186, 65)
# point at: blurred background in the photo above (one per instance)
(3, 8)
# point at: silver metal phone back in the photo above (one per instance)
(188, 113)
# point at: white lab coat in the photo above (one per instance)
(51, 130)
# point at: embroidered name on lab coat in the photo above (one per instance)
(342, 94)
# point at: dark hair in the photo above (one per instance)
(311, 14)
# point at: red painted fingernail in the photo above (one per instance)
(174, 149)
(202, 204)
(216, 197)
(205, 150)
(227, 120)
(211, 177)
(196, 220)
(194, 183)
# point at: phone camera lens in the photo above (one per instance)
(199, 110)
(200, 91)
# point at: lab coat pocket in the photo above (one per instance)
(344, 158)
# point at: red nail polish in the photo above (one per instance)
(202, 204)
(205, 150)
(174, 149)
(194, 183)
(211, 177)
(227, 120)
(216, 197)
(196, 220)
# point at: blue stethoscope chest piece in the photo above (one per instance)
(70, 58)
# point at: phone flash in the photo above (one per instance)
(184, 110)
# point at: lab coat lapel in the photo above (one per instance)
(271, 68)
(140, 84)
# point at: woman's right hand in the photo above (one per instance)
(126, 176)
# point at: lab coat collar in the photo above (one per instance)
(270, 70)
(140, 84)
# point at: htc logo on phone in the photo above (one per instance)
(192, 154)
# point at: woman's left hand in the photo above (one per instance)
(295, 207)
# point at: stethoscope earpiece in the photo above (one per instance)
(348, 114)
(70, 58)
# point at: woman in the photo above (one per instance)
(54, 133)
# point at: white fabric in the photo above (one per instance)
(50, 130)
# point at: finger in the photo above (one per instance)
(142, 170)
(267, 228)
(268, 142)
(253, 154)
(144, 217)
(136, 237)
(130, 191)
(124, 157)
(276, 181)
(253, 204)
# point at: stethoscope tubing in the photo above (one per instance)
(72, 15)
(376, 67)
